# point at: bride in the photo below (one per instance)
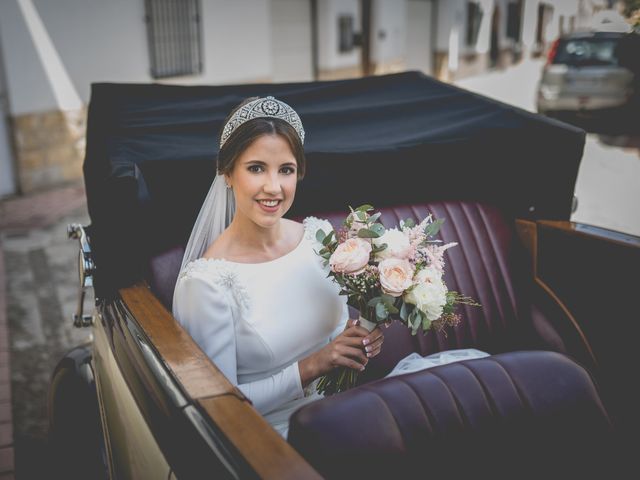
(251, 291)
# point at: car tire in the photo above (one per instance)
(76, 441)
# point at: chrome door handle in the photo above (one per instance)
(86, 267)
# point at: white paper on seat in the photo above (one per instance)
(414, 362)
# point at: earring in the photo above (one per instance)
(227, 185)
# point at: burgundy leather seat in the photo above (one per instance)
(513, 415)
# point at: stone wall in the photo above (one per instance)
(49, 148)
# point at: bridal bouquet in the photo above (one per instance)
(388, 274)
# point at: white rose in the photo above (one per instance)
(430, 297)
(398, 245)
(428, 275)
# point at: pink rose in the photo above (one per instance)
(396, 275)
(350, 257)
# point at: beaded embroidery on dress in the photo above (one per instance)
(223, 274)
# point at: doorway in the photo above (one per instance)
(494, 47)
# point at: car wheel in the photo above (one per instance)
(75, 434)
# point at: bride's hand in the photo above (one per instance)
(346, 350)
(352, 349)
(373, 342)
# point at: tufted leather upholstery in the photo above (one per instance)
(510, 414)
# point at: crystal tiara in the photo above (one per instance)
(262, 107)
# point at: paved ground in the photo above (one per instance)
(41, 293)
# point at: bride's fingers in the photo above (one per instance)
(372, 337)
(374, 352)
(353, 353)
(356, 331)
(355, 342)
(375, 346)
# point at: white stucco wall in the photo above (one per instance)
(26, 81)
(291, 41)
(236, 41)
(388, 30)
(329, 56)
(419, 46)
(106, 41)
(449, 13)
(98, 40)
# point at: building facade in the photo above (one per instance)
(52, 50)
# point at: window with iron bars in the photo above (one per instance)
(173, 32)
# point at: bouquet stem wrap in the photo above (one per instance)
(366, 323)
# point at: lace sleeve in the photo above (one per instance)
(311, 227)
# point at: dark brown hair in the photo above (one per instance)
(250, 131)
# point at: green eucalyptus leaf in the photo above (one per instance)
(415, 322)
(373, 302)
(380, 248)
(409, 223)
(373, 218)
(327, 240)
(388, 299)
(426, 323)
(366, 233)
(404, 312)
(433, 228)
(364, 208)
(378, 229)
(381, 311)
(320, 235)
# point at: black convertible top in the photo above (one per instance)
(382, 140)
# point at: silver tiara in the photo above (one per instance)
(262, 107)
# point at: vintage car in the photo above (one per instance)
(557, 316)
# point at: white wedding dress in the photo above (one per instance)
(257, 320)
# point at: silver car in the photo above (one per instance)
(590, 73)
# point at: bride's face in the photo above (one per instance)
(264, 179)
